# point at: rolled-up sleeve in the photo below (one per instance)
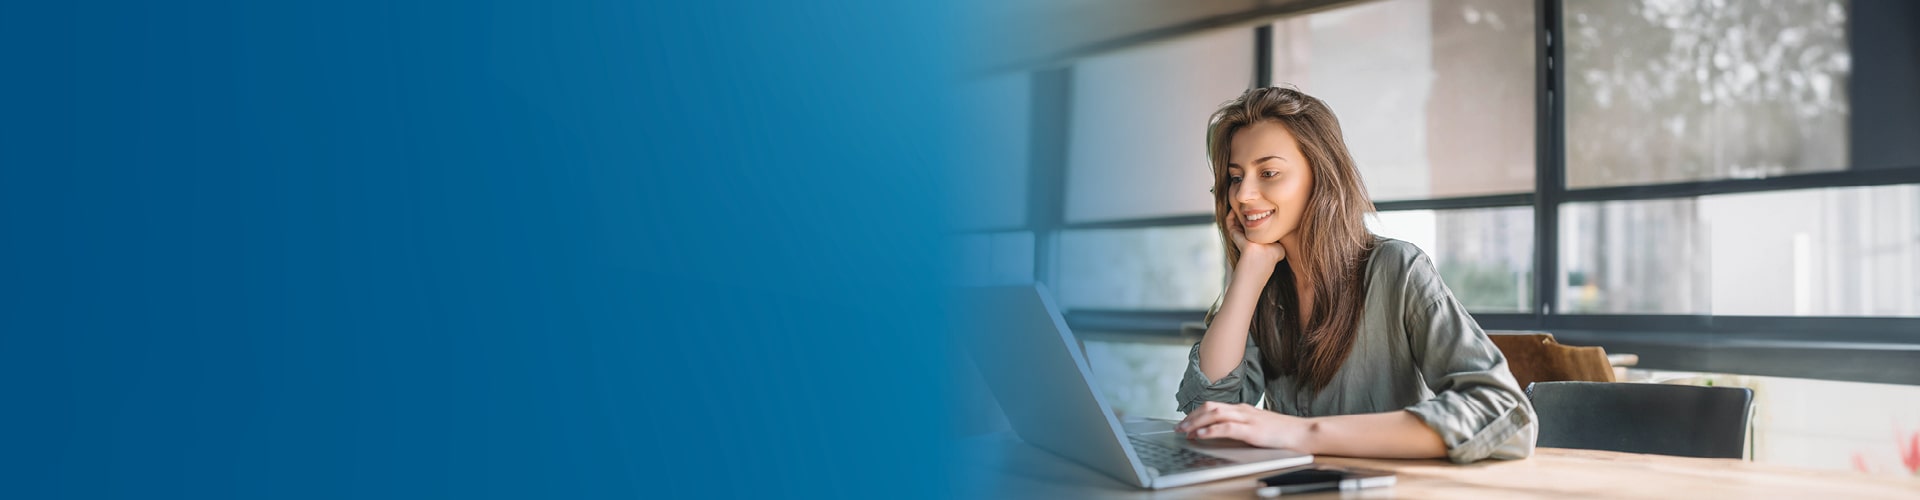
(1245, 384)
(1478, 409)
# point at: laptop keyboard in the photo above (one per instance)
(1171, 459)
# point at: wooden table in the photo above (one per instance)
(1001, 466)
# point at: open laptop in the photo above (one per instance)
(1037, 372)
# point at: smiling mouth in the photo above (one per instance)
(1257, 219)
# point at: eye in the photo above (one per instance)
(1270, 173)
(1233, 179)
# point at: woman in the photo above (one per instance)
(1357, 347)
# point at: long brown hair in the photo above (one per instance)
(1332, 232)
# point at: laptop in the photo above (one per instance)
(1036, 371)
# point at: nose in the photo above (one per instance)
(1242, 196)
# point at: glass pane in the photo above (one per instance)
(1632, 257)
(992, 190)
(1484, 255)
(1177, 267)
(1137, 145)
(1824, 252)
(1436, 97)
(1137, 378)
(1819, 252)
(1665, 91)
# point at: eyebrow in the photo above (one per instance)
(1259, 161)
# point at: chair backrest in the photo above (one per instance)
(1536, 357)
(1682, 420)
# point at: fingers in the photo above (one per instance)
(1210, 414)
(1227, 430)
(1236, 233)
(1204, 409)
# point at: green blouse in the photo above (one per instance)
(1417, 349)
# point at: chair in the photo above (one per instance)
(1662, 419)
(1536, 357)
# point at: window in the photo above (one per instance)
(1632, 257)
(1484, 255)
(1689, 90)
(1164, 268)
(1435, 97)
(1137, 145)
(1815, 252)
(1820, 252)
(1699, 91)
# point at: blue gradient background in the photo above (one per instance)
(472, 249)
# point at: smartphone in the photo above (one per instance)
(1317, 477)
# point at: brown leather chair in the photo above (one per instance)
(1536, 357)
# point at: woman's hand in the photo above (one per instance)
(1247, 424)
(1254, 255)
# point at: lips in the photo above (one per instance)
(1256, 219)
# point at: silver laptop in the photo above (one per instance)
(1037, 372)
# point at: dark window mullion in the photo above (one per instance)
(1047, 167)
(1550, 121)
(1461, 203)
(1177, 220)
(1263, 56)
(1844, 178)
(1464, 202)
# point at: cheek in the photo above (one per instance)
(1293, 203)
(1288, 197)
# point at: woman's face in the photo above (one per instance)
(1267, 181)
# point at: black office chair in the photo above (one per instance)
(1682, 420)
